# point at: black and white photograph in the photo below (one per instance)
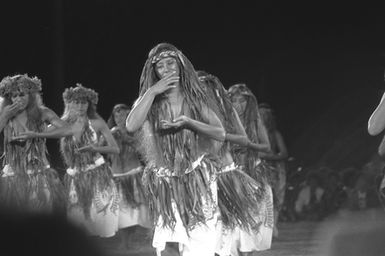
(192, 128)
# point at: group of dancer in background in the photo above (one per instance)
(199, 165)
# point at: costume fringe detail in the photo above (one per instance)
(191, 193)
(85, 184)
(132, 189)
(27, 181)
(239, 199)
(40, 191)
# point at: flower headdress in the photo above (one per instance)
(80, 93)
(19, 83)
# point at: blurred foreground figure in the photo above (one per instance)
(26, 234)
(358, 234)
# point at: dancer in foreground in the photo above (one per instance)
(173, 113)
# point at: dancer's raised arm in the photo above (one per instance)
(140, 110)
(376, 123)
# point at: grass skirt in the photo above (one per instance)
(133, 208)
(239, 198)
(190, 195)
(93, 200)
(35, 191)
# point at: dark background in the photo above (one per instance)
(320, 65)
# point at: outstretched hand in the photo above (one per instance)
(24, 136)
(178, 122)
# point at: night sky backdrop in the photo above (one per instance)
(301, 58)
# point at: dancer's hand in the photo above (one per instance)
(11, 110)
(178, 122)
(88, 148)
(25, 136)
(165, 84)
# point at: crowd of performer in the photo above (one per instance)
(199, 165)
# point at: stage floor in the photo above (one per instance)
(348, 234)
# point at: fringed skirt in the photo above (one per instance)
(183, 207)
(38, 191)
(279, 184)
(262, 173)
(240, 201)
(93, 199)
(133, 206)
(256, 240)
(239, 197)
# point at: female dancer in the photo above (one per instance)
(127, 170)
(239, 196)
(93, 200)
(27, 181)
(172, 112)
(246, 106)
(276, 159)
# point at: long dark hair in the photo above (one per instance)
(269, 121)
(251, 115)
(111, 119)
(184, 141)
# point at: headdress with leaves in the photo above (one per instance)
(19, 83)
(80, 93)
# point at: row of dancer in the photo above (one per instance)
(101, 190)
(206, 185)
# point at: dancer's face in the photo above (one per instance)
(20, 98)
(239, 102)
(80, 107)
(120, 116)
(166, 66)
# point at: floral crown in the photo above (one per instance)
(80, 93)
(11, 84)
